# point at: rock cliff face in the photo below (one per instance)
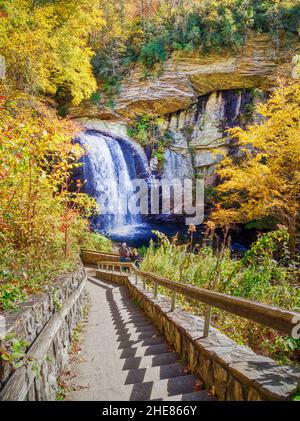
(200, 96)
(200, 132)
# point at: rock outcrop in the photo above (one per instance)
(185, 77)
(200, 96)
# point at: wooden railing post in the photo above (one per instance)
(173, 301)
(207, 321)
(155, 290)
(276, 318)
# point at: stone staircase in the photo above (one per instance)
(123, 356)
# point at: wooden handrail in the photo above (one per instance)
(102, 253)
(271, 316)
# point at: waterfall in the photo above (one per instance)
(177, 165)
(109, 166)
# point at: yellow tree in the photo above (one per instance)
(264, 181)
(39, 215)
(46, 45)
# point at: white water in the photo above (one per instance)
(108, 172)
(177, 166)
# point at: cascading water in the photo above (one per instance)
(177, 166)
(109, 166)
(112, 163)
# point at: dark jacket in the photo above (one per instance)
(123, 251)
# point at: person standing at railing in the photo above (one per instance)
(135, 257)
(124, 253)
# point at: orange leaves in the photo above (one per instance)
(199, 385)
(192, 229)
(187, 370)
(38, 213)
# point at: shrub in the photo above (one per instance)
(153, 52)
(42, 222)
(261, 275)
(97, 242)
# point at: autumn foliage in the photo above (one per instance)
(41, 220)
(45, 44)
(263, 180)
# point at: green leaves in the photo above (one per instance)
(258, 277)
(41, 220)
(153, 52)
(14, 351)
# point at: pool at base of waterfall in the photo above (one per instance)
(139, 235)
(110, 166)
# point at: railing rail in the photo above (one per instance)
(102, 253)
(268, 315)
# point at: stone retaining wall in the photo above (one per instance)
(46, 322)
(235, 371)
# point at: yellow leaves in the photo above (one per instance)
(45, 45)
(38, 213)
(265, 179)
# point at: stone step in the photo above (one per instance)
(115, 313)
(153, 374)
(144, 351)
(127, 358)
(142, 342)
(150, 361)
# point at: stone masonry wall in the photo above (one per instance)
(236, 372)
(46, 322)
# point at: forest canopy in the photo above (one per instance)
(49, 45)
(45, 44)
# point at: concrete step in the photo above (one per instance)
(130, 316)
(134, 330)
(203, 395)
(144, 350)
(153, 374)
(132, 324)
(150, 361)
(142, 342)
(160, 390)
(125, 358)
(126, 310)
(151, 333)
(115, 313)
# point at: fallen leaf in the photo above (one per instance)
(187, 370)
(199, 385)
(213, 391)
